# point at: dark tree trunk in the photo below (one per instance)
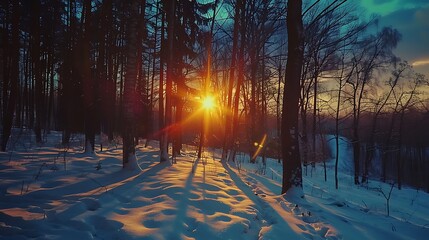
(50, 116)
(141, 84)
(111, 75)
(35, 55)
(278, 105)
(227, 143)
(356, 137)
(13, 75)
(68, 90)
(252, 108)
(171, 19)
(88, 82)
(102, 72)
(356, 154)
(292, 171)
(130, 96)
(152, 82)
(240, 78)
(163, 145)
(337, 133)
(177, 129)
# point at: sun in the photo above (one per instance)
(209, 102)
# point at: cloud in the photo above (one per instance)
(411, 19)
(413, 26)
(420, 63)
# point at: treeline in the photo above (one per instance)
(70, 61)
(140, 69)
(395, 148)
(64, 63)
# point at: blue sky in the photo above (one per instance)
(411, 18)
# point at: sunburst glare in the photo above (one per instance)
(209, 102)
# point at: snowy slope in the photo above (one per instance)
(354, 212)
(90, 196)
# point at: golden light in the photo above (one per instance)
(209, 102)
(260, 146)
(420, 63)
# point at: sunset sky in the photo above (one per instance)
(411, 18)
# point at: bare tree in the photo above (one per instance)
(379, 106)
(342, 79)
(405, 100)
(374, 52)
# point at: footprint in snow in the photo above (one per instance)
(91, 204)
(312, 223)
(227, 182)
(232, 192)
(151, 223)
(169, 211)
(103, 224)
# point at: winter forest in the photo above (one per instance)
(214, 119)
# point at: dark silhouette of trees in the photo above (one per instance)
(10, 68)
(373, 52)
(123, 70)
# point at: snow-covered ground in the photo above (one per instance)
(89, 196)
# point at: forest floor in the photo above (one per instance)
(50, 192)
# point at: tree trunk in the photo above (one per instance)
(315, 113)
(252, 107)
(88, 81)
(111, 75)
(66, 96)
(278, 105)
(171, 33)
(356, 138)
(50, 116)
(240, 76)
(162, 140)
(37, 70)
(102, 72)
(292, 171)
(130, 96)
(176, 128)
(152, 82)
(13, 69)
(337, 131)
(227, 143)
(142, 101)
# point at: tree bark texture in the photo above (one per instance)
(292, 172)
(130, 96)
(13, 75)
